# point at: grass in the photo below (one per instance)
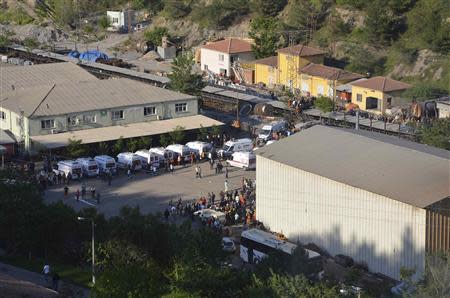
(75, 275)
(17, 16)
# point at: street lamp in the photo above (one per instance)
(93, 246)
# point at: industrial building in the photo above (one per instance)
(381, 200)
(45, 105)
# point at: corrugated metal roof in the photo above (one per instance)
(6, 137)
(35, 75)
(133, 130)
(58, 99)
(405, 171)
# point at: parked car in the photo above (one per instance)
(228, 244)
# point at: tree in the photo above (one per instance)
(164, 140)
(133, 145)
(267, 8)
(265, 32)
(4, 41)
(216, 130)
(156, 34)
(119, 145)
(30, 43)
(324, 104)
(75, 148)
(424, 91)
(103, 148)
(177, 135)
(146, 142)
(104, 22)
(380, 24)
(202, 133)
(437, 134)
(182, 78)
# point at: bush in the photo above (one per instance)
(324, 104)
(16, 16)
(156, 34)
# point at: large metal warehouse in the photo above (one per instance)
(383, 201)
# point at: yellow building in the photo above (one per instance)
(292, 59)
(266, 71)
(320, 80)
(378, 94)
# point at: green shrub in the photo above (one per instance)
(156, 34)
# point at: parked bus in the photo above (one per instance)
(257, 244)
(89, 166)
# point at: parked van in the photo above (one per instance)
(199, 147)
(179, 149)
(163, 154)
(235, 146)
(89, 166)
(243, 160)
(106, 164)
(129, 160)
(148, 158)
(70, 167)
(267, 131)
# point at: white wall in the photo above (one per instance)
(211, 58)
(384, 233)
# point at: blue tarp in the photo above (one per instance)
(74, 54)
(93, 55)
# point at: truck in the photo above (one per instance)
(89, 166)
(267, 131)
(199, 147)
(130, 160)
(149, 158)
(239, 145)
(70, 167)
(106, 164)
(179, 149)
(243, 160)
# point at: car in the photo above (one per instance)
(205, 214)
(228, 245)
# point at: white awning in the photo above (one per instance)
(133, 130)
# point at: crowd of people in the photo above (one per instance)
(238, 206)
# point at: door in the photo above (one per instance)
(250, 255)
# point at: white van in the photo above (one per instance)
(89, 166)
(238, 145)
(243, 160)
(148, 158)
(106, 164)
(70, 167)
(267, 131)
(127, 160)
(179, 149)
(163, 154)
(199, 147)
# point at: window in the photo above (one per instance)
(205, 67)
(116, 115)
(389, 102)
(89, 119)
(221, 57)
(359, 97)
(115, 20)
(149, 111)
(180, 107)
(48, 124)
(2, 115)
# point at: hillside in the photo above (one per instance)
(405, 39)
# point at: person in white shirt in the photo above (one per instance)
(46, 272)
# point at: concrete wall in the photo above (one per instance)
(384, 233)
(104, 117)
(266, 74)
(285, 62)
(211, 59)
(318, 86)
(382, 98)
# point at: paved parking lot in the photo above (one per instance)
(151, 194)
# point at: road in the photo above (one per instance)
(151, 194)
